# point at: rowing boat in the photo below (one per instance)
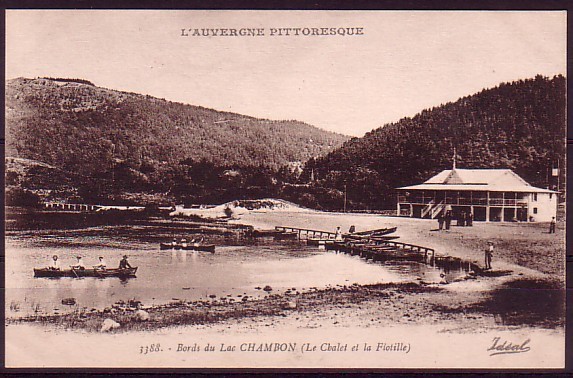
(77, 273)
(190, 247)
(286, 236)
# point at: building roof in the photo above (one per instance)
(495, 180)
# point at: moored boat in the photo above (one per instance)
(200, 247)
(189, 247)
(77, 273)
(286, 236)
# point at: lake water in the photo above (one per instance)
(164, 276)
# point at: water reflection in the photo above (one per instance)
(232, 272)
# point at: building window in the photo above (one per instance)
(535, 210)
(535, 196)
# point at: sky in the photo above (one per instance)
(404, 61)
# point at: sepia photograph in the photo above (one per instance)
(285, 189)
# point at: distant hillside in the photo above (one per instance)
(519, 125)
(73, 125)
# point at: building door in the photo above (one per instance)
(522, 214)
(495, 214)
(509, 214)
(479, 213)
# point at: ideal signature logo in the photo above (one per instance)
(506, 347)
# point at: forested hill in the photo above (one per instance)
(518, 125)
(76, 126)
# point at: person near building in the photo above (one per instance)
(488, 255)
(552, 225)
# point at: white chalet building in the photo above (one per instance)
(490, 195)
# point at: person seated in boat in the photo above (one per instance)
(79, 264)
(101, 264)
(55, 265)
(174, 242)
(123, 264)
(197, 242)
(183, 243)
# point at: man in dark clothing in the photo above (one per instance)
(462, 219)
(488, 255)
(448, 219)
(440, 221)
(552, 226)
(470, 219)
(123, 264)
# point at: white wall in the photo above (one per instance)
(546, 205)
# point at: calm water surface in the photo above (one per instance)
(164, 276)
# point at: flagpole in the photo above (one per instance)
(558, 180)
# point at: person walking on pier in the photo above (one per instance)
(338, 234)
(488, 255)
(552, 225)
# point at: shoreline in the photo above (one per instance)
(472, 302)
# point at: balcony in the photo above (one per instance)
(465, 201)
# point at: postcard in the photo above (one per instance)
(285, 189)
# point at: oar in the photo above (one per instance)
(73, 270)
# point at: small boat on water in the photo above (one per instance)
(384, 238)
(189, 247)
(263, 233)
(286, 236)
(77, 273)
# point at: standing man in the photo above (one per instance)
(440, 221)
(552, 226)
(448, 219)
(462, 219)
(338, 234)
(488, 255)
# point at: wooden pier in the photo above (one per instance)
(376, 245)
(305, 233)
(398, 251)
